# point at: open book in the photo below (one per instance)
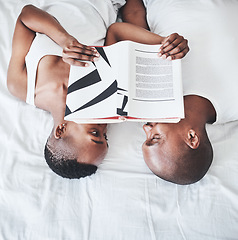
(128, 82)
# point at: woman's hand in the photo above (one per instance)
(74, 53)
(174, 47)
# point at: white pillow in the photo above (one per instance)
(89, 19)
(211, 67)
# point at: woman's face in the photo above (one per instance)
(88, 142)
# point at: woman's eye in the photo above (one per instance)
(95, 133)
(105, 136)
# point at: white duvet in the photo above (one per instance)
(123, 200)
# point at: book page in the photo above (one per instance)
(92, 91)
(155, 85)
(120, 63)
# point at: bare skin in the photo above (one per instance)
(133, 12)
(198, 111)
(165, 141)
(52, 77)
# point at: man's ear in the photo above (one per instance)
(60, 131)
(192, 140)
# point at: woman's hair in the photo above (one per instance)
(65, 164)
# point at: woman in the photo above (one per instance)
(38, 74)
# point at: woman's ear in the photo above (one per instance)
(60, 131)
(192, 140)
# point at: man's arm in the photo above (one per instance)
(173, 47)
(134, 12)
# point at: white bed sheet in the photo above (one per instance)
(123, 200)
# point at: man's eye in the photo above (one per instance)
(156, 137)
(151, 124)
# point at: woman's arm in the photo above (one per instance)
(134, 12)
(30, 21)
(173, 47)
(17, 74)
(40, 21)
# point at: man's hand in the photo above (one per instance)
(174, 47)
(74, 53)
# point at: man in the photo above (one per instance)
(182, 153)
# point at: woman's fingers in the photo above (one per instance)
(75, 62)
(82, 49)
(79, 55)
(73, 55)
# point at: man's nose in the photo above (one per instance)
(147, 128)
(149, 125)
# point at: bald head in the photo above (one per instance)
(176, 157)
